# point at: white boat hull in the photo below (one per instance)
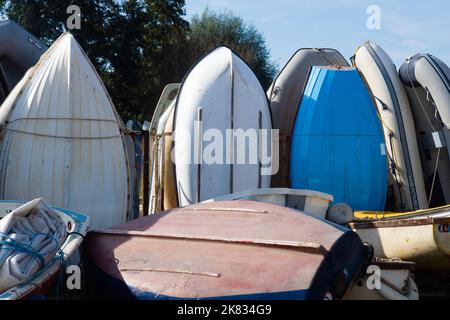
(62, 139)
(223, 94)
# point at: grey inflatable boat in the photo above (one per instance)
(427, 83)
(19, 51)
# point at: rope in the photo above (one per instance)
(62, 262)
(15, 246)
(76, 233)
(63, 137)
(434, 176)
(60, 255)
(65, 119)
(124, 133)
(420, 102)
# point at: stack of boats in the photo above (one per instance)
(361, 146)
(294, 193)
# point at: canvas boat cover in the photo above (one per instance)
(30, 236)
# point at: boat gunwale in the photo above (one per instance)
(394, 264)
(398, 222)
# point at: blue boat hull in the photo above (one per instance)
(338, 144)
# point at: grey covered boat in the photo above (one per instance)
(19, 51)
(427, 83)
(285, 94)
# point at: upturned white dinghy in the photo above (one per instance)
(219, 99)
(285, 94)
(157, 145)
(36, 241)
(427, 82)
(62, 139)
(382, 78)
(168, 96)
(422, 236)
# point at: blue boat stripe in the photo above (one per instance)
(287, 295)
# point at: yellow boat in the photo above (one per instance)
(421, 236)
(170, 198)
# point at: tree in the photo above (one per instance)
(127, 41)
(46, 20)
(209, 30)
(139, 46)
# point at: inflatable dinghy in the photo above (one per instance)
(222, 126)
(285, 94)
(427, 82)
(394, 110)
(19, 51)
(338, 144)
(62, 139)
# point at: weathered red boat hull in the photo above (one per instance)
(238, 249)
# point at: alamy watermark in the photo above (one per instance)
(227, 146)
(374, 19)
(74, 20)
(374, 279)
(73, 281)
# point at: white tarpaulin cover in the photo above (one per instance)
(30, 236)
(62, 139)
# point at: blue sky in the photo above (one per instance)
(407, 27)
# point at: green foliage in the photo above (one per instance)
(139, 46)
(46, 20)
(209, 30)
